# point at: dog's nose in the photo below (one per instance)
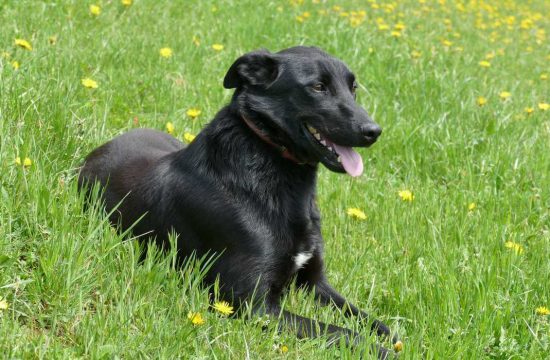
(371, 132)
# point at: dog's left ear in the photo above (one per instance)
(256, 68)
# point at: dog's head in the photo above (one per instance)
(304, 99)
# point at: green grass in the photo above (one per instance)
(438, 273)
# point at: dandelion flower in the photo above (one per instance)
(518, 249)
(542, 310)
(399, 26)
(544, 76)
(195, 318)
(22, 43)
(416, 54)
(395, 33)
(484, 64)
(52, 40)
(95, 10)
(193, 113)
(505, 95)
(398, 346)
(3, 304)
(284, 349)
(196, 40)
(223, 307)
(26, 161)
(15, 64)
(447, 43)
(481, 101)
(529, 110)
(89, 83)
(356, 213)
(472, 206)
(406, 195)
(188, 137)
(165, 52)
(544, 106)
(217, 47)
(170, 128)
(126, 2)
(383, 27)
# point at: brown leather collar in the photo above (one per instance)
(282, 149)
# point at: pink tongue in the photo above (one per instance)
(351, 160)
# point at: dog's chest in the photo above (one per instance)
(301, 258)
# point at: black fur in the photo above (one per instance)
(232, 192)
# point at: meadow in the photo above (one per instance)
(449, 239)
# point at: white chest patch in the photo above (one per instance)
(302, 258)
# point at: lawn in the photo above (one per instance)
(453, 251)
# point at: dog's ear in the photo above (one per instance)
(256, 68)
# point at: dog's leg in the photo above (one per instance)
(309, 328)
(312, 276)
(327, 295)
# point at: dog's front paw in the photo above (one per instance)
(383, 331)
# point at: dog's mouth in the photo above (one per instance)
(335, 157)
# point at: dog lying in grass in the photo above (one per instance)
(245, 188)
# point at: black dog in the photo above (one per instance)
(246, 186)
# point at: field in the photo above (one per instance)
(453, 251)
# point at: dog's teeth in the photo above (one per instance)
(317, 136)
(339, 159)
(324, 142)
(312, 129)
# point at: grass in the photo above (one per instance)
(437, 272)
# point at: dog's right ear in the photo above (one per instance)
(256, 68)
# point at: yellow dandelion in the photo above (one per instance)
(283, 349)
(505, 95)
(542, 310)
(95, 9)
(196, 40)
(383, 27)
(416, 54)
(22, 43)
(529, 110)
(517, 248)
(399, 26)
(165, 52)
(188, 137)
(223, 307)
(217, 47)
(398, 346)
(195, 318)
(356, 213)
(544, 106)
(481, 101)
(544, 76)
(170, 128)
(15, 64)
(395, 34)
(447, 43)
(26, 161)
(3, 304)
(89, 83)
(406, 195)
(126, 2)
(52, 40)
(472, 206)
(193, 113)
(484, 63)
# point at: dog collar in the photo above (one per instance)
(262, 135)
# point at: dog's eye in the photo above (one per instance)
(319, 87)
(354, 88)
